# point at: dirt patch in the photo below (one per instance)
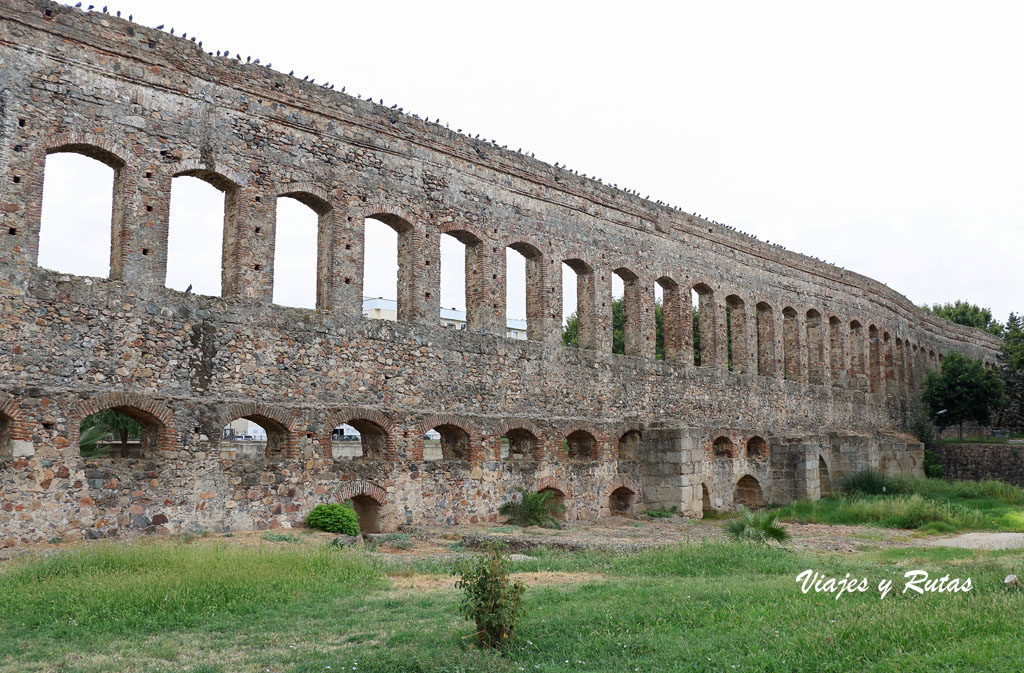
(417, 582)
(982, 541)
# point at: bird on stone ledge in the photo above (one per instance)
(188, 290)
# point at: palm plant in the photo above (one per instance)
(533, 509)
(761, 527)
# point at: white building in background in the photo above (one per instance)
(378, 308)
(241, 427)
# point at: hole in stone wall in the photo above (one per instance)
(6, 423)
(723, 447)
(757, 448)
(824, 481)
(453, 282)
(629, 446)
(558, 498)
(446, 442)
(368, 512)
(358, 438)
(516, 294)
(570, 294)
(120, 432)
(748, 492)
(622, 502)
(242, 438)
(581, 445)
(705, 499)
(518, 445)
(295, 254)
(75, 226)
(195, 236)
(380, 269)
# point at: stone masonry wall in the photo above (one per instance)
(979, 462)
(818, 352)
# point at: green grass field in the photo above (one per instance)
(928, 505)
(215, 606)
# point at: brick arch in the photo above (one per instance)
(621, 431)
(600, 439)
(378, 208)
(473, 439)
(348, 414)
(307, 193)
(455, 227)
(519, 424)
(15, 427)
(554, 483)
(352, 489)
(519, 243)
(144, 410)
(89, 145)
(281, 435)
(622, 482)
(220, 176)
(715, 444)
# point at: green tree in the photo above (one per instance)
(964, 313)
(110, 422)
(963, 390)
(1011, 370)
(571, 338)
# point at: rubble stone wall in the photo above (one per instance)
(816, 351)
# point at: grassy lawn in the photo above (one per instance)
(212, 606)
(929, 505)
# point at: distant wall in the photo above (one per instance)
(978, 462)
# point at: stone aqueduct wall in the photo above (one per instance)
(824, 360)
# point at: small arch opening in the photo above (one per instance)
(358, 438)
(368, 513)
(581, 445)
(6, 445)
(123, 432)
(196, 228)
(578, 305)
(723, 447)
(558, 498)
(629, 446)
(446, 442)
(622, 502)
(824, 480)
(748, 492)
(702, 298)
(518, 445)
(296, 257)
(705, 499)
(252, 437)
(757, 448)
(765, 339)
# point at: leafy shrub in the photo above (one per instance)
(280, 537)
(492, 600)
(334, 518)
(661, 513)
(760, 527)
(534, 509)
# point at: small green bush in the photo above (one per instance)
(534, 509)
(334, 518)
(661, 513)
(492, 600)
(760, 527)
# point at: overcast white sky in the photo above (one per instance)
(884, 137)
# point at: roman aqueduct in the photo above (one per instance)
(805, 371)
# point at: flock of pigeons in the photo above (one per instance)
(329, 86)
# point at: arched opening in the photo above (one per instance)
(462, 281)
(518, 445)
(622, 501)
(199, 224)
(835, 349)
(578, 309)
(6, 445)
(765, 340)
(736, 333)
(874, 360)
(627, 311)
(447, 442)
(704, 338)
(368, 513)
(888, 363)
(824, 482)
(254, 436)
(359, 438)
(387, 268)
(82, 212)
(815, 348)
(723, 447)
(857, 375)
(124, 432)
(748, 492)
(297, 234)
(671, 322)
(790, 345)
(705, 499)
(524, 291)
(629, 446)
(581, 445)
(757, 448)
(558, 498)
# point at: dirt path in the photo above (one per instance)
(982, 541)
